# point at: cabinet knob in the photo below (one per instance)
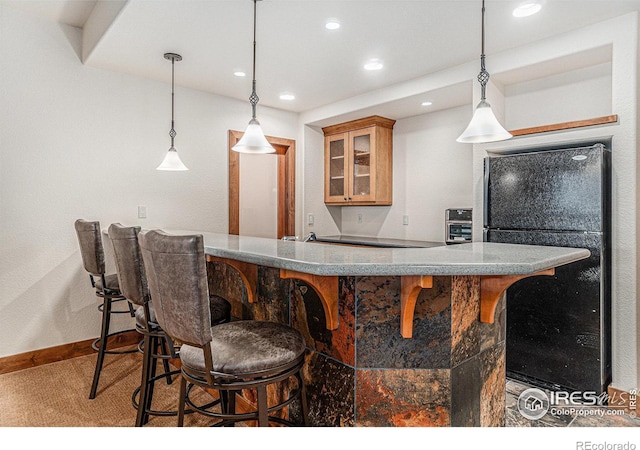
(345, 198)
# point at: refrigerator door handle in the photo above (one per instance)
(486, 193)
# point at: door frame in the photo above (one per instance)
(286, 154)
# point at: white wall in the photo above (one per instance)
(574, 95)
(78, 142)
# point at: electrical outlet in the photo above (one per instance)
(310, 219)
(142, 212)
(405, 220)
(359, 218)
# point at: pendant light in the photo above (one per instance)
(253, 140)
(172, 161)
(484, 127)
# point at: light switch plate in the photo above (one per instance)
(142, 212)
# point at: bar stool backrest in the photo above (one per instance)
(177, 276)
(91, 248)
(130, 267)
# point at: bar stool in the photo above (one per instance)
(106, 287)
(157, 345)
(229, 357)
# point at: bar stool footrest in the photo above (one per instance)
(154, 412)
(96, 344)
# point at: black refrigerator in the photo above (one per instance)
(558, 327)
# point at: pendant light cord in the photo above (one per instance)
(483, 76)
(254, 99)
(482, 29)
(172, 133)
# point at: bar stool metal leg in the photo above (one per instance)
(153, 349)
(263, 411)
(182, 400)
(142, 416)
(102, 345)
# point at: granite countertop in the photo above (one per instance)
(377, 242)
(479, 258)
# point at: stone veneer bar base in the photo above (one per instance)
(451, 373)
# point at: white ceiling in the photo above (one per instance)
(296, 54)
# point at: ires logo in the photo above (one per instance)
(535, 403)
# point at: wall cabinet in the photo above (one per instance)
(358, 162)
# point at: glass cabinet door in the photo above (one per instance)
(358, 162)
(336, 167)
(361, 161)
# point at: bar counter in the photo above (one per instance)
(395, 336)
(325, 259)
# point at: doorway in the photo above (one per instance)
(285, 184)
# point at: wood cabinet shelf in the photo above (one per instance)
(355, 147)
(604, 120)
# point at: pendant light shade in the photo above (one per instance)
(484, 126)
(171, 160)
(253, 140)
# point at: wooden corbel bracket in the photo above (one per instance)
(248, 273)
(327, 289)
(492, 287)
(410, 289)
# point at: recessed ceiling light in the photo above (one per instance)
(287, 96)
(332, 24)
(426, 103)
(374, 64)
(527, 9)
(239, 73)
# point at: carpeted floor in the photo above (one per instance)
(57, 395)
